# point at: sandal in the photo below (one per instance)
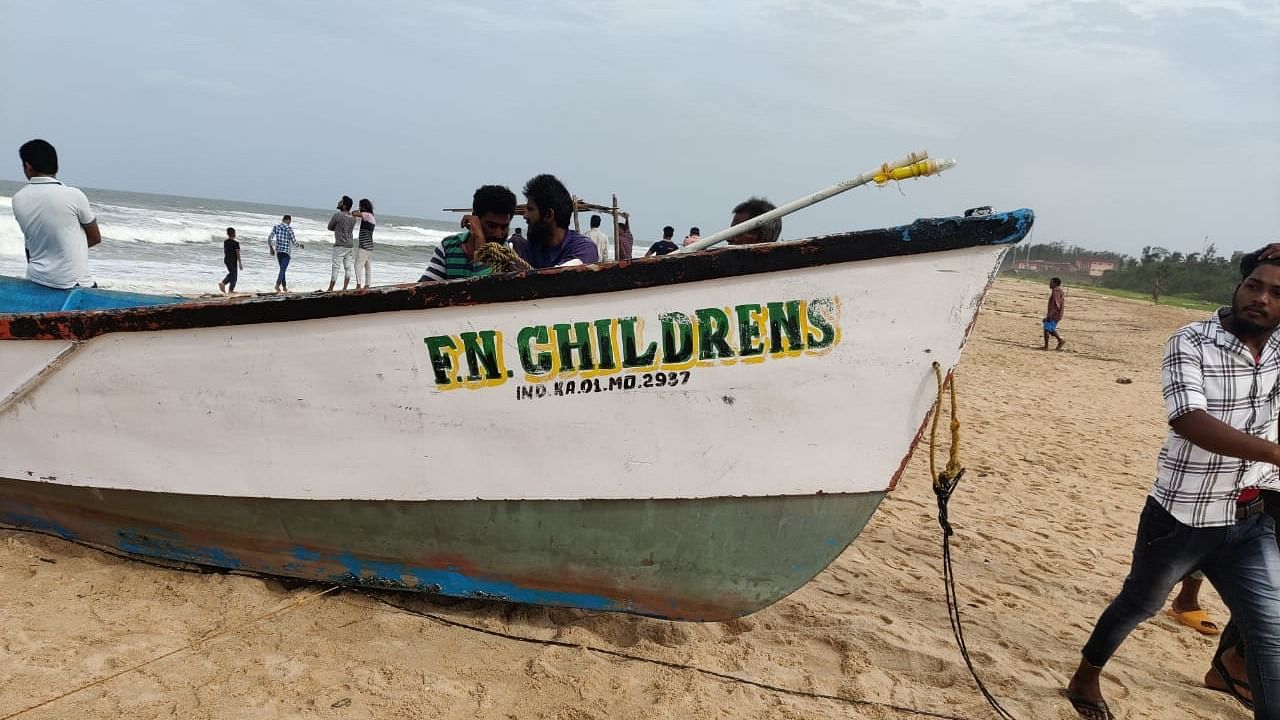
(1089, 709)
(1233, 685)
(1197, 620)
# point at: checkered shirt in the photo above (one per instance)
(282, 237)
(1207, 368)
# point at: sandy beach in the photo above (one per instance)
(1059, 457)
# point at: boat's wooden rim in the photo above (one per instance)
(921, 236)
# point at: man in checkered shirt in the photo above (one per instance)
(1204, 510)
(281, 242)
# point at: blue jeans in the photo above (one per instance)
(1243, 563)
(232, 275)
(283, 259)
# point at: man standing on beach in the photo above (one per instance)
(1204, 510)
(599, 237)
(230, 258)
(665, 246)
(56, 221)
(626, 241)
(340, 225)
(1053, 315)
(281, 243)
(548, 207)
(694, 236)
(492, 207)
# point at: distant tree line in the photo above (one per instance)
(1157, 271)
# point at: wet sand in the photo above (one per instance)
(1059, 458)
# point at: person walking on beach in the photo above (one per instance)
(281, 243)
(664, 246)
(548, 207)
(1204, 511)
(364, 253)
(747, 209)
(492, 207)
(600, 238)
(694, 236)
(341, 225)
(1053, 315)
(230, 258)
(56, 221)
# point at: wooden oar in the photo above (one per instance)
(916, 164)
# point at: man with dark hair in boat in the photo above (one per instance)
(281, 243)
(1204, 511)
(56, 221)
(599, 237)
(749, 208)
(492, 207)
(548, 207)
(341, 225)
(1053, 315)
(694, 236)
(626, 241)
(665, 246)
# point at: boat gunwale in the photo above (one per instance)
(923, 236)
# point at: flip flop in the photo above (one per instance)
(1233, 685)
(1196, 619)
(1089, 709)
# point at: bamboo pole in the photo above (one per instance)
(812, 199)
(576, 226)
(617, 244)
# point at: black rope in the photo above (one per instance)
(943, 488)
(189, 567)
(663, 663)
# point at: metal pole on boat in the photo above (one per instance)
(882, 174)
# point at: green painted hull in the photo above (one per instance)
(699, 559)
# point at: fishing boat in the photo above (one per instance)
(690, 437)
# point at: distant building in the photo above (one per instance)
(1094, 266)
(1044, 266)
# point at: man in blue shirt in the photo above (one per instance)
(548, 207)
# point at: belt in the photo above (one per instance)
(1249, 509)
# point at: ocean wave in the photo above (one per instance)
(122, 223)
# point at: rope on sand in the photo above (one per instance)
(944, 484)
(292, 604)
(662, 663)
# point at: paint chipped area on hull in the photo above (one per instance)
(700, 560)
(160, 543)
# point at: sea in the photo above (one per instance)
(171, 244)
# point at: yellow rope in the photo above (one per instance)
(952, 471)
(501, 258)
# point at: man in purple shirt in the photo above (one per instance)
(548, 207)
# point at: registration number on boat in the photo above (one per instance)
(586, 386)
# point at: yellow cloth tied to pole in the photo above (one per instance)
(923, 168)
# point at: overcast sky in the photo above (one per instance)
(1122, 124)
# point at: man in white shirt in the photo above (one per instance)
(56, 221)
(600, 239)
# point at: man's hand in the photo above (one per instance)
(476, 239)
(1210, 433)
(1270, 251)
(92, 234)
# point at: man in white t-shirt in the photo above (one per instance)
(56, 221)
(600, 239)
